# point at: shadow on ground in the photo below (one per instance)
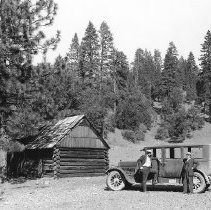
(167, 188)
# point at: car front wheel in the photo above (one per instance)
(115, 181)
(199, 183)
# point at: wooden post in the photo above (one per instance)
(56, 162)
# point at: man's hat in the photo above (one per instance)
(188, 153)
(148, 151)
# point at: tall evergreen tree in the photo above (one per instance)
(206, 68)
(191, 77)
(120, 73)
(155, 94)
(158, 62)
(147, 70)
(106, 50)
(20, 39)
(120, 70)
(89, 54)
(73, 54)
(182, 73)
(170, 71)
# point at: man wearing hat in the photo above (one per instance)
(189, 164)
(144, 164)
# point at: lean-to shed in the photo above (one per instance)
(70, 147)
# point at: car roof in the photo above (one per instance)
(175, 146)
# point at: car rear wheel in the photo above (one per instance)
(115, 181)
(199, 183)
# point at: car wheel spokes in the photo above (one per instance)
(116, 180)
(196, 183)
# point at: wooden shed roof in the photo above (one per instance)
(52, 134)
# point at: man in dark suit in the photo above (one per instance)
(189, 164)
(144, 164)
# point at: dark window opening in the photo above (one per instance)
(171, 152)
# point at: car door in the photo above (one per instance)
(172, 162)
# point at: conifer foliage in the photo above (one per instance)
(20, 39)
(89, 54)
(94, 78)
(73, 54)
(206, 69)
(170, 71)
(106, 51)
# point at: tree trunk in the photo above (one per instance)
(115, 92)
(209, 111)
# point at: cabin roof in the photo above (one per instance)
(50, 135)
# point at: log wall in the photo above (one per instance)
(82, 162)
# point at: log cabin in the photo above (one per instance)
(68, 148)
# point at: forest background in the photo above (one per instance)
(94, 78)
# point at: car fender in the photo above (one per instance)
(121, 171)
(204, 175)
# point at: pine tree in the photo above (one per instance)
(106, 50)
(191, 77)
(138, 65)
(206, 68)
(169, 73)
(73, 54)
(155, 94)
(146, 71)
(142, 71)
(120, 70)
(20, 39)
(180, 73)
(89, 54)
(119, 74)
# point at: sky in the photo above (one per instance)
(146, 24)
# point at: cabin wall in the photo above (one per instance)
(82, 162)
(81, 153)
(82, 136)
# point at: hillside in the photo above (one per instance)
(124, 150)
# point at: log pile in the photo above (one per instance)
(82, 162)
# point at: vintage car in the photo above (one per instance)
(167, 165)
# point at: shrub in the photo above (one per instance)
(162, 133)
(133, 109)
(180, 124)
(129, 135)
(142, 128)
(139, 136)
(133, 136)
(196, 122)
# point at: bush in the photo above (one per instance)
(139, 136)
(133, 109)
(129, 135)
(142, 128)
(196, 122)
(133, 136)
(180, 124)
(162, 133)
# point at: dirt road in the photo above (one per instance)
(91, 193)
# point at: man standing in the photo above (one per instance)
(187, 172)
(144, 164)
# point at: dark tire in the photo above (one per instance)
(207, 186)
(115, 181)
(199, 183)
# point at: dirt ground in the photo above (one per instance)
(92, 193)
